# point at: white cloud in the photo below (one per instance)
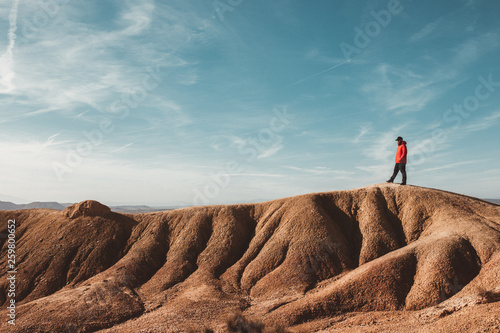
(473, 48)
(315, 54)
(73, 66)
(138, 18)
(272, 150)
(445, 166)
(261, 175)
(427, 30)
(322, 72)
(321, 171)
(122, 148)
(399, 90)
(167, 183)
(363, 131)
(381, 146)
(7, 73)
(484, 123)
(254, 146)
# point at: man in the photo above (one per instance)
(401, 154)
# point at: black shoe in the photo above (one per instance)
(402, 184)
(389, 181)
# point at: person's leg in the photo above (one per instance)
(402, 167)
(394, 174)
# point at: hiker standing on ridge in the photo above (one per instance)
(401, 155)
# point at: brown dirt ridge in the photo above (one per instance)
(383, 258)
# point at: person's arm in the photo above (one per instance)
(400, 153)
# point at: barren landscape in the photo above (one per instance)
(383, 258)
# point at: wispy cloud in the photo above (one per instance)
(51, 141)
(122, 148)
(272, 150)
(7, 73)
(321, 171)
(363, 131)
(318, 56)
(399, 90)
(379, 148)
(426, 30)
(444, 167)
(258, 149)
(138, 18)
(263, 175)
(484, 123)
(473, 48)
(322, 72)
(91, 67)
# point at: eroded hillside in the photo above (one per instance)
(300, 262)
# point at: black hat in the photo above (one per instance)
(399, 138)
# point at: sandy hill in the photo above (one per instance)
(381, 258)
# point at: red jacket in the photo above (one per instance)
(401, 153)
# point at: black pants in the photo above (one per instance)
(399, 167)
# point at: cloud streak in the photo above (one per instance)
(427, 30)
(7, 73)
(322, 72)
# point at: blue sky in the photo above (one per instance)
(206, 102)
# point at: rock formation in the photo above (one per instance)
(380, 258)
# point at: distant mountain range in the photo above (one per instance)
(5, 205)
(130, 209)
(495, 201)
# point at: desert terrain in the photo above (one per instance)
(383, 258)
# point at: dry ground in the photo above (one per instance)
(380, 258)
